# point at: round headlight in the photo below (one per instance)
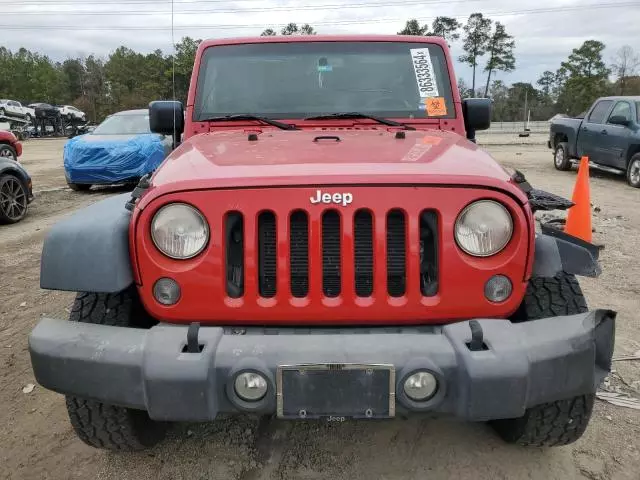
(483, 228)
(179, 231)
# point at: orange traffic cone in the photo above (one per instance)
(579, 216)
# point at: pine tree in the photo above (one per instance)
(476, 38)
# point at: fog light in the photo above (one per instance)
(498, 289)
(420, 386)
(166, 291)
(250, 386)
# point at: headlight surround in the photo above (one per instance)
(483, 228)
(179, 231)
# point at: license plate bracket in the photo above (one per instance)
(335, 390)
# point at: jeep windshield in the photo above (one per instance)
(308, 79)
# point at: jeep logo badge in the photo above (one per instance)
(343, 199)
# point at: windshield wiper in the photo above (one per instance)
(384, 121)
(268, 121)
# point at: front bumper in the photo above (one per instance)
(519, 366)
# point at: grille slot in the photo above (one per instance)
(428, 253)
(396, 253)
(363, 253)
(234, 245)
(267, 255)
(331, 253)
(299, 253)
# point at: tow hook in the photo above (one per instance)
(477, 337)
(193, 345)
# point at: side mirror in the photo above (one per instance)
(619, 120)
(167, 118)
(477, 115)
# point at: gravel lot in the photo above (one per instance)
(36, 440)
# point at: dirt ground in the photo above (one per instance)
(36, 440)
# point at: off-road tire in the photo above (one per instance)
(633, 176)
(563, 421)
(79, 187)
(98, 424)
(551, 297)
(561, 159)
(548, 425)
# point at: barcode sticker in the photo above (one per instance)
(425, 76)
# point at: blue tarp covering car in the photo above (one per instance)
(120, 150)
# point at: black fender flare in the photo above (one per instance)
(89, 251)
(556, 251)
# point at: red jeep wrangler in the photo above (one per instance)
(325, 241)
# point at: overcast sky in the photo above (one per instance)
(545, 30)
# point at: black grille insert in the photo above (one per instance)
(331, 253)
(363, 252)
(299, 253)
(428, 253)
(234, 245)
(396, 253)
(267, 255)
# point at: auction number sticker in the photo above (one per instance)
(425, 76)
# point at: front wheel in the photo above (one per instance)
(633, 171)
(99, 424)
(548, 425)
(551, 297)
(561, 158)
(563, 421)
(14, 199)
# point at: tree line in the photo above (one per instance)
(571, 89)
(124, 80)
(128, 79)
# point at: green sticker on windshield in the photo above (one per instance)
(323, 65)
